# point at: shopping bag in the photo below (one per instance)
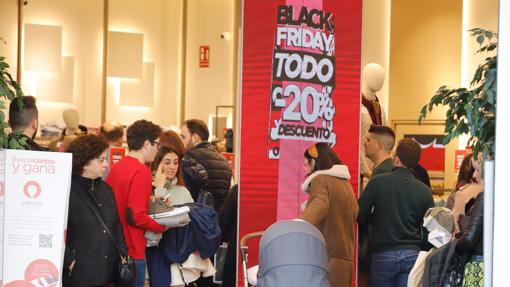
(219, 263)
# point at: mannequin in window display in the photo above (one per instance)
(73, 128)
(371, 111)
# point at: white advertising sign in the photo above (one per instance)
(36, 199)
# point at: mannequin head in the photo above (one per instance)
(373, 79)
(72, 120)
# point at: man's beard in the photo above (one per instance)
(190, 145)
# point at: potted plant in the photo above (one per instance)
(472, 110)
(11, 91)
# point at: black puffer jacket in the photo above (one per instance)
(95, 255)
(195, 176)
(218, 169)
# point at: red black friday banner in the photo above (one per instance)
(300, 85)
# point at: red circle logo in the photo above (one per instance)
(32, 189)
(42, 272)
(19, 283)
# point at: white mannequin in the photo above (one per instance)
(72, 120)
(373, 80)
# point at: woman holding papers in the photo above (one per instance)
(169, 187)
(92, 249)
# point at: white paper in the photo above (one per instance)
(174, 212)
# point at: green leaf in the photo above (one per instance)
(10, 90)
(480, 39)
(478, 75)
(423, 111)
(492, 47)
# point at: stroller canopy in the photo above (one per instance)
(292, 254)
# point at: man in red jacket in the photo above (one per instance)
(131, 181)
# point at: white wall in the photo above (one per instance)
(207, 88)
(501, 252)
(82, 42)
(8, 31)
(376, 41)
(160, 23)
(475, 14)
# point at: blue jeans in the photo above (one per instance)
(391, 268)
(140, 273)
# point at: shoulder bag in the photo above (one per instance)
(125, 276)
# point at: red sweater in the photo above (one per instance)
(131, 182)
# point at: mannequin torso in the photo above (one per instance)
(371, 111)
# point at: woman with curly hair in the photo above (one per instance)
(91, 256)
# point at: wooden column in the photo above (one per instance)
(105, 61)
(183, 63)
(21, 3)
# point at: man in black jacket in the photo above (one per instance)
(195, 135)
(26, 121)
(397, 201)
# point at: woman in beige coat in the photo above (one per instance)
(332, 208)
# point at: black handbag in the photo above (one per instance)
(126, 271)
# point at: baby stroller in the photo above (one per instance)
(291, 254)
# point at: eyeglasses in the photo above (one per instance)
(157, 144)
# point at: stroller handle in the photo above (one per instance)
(244, 253)
(250, 236)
